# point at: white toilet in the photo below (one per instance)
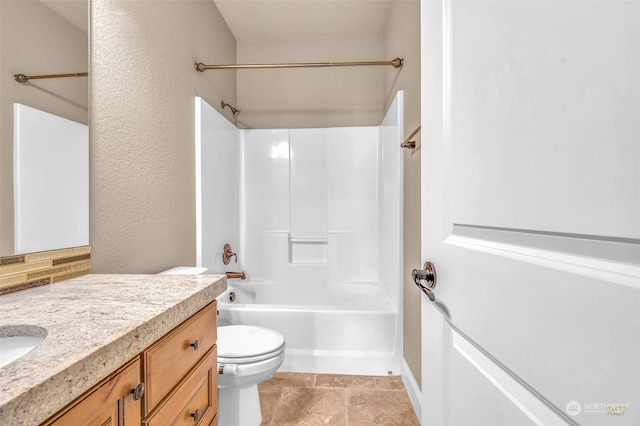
(247, 355)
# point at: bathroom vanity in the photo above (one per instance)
(138, 349)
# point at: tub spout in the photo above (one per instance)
(240, 275)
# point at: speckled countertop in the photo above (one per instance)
(94, 324)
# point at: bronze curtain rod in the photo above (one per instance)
(408, 143)
(21, 78)
(396, 63)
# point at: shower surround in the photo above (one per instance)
(315, 217)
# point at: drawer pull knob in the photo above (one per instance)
(138, 391)
(195, 345)
(195, 415)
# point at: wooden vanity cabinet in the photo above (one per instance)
(194, 401)
(180, 378)
(111, 402)
(181, 373)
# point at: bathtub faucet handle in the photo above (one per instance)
(227, 254)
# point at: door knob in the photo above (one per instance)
(425, 279)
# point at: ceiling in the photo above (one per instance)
(275, 19)
(278, 19)
(74, 11)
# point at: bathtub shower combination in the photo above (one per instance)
(314, 216)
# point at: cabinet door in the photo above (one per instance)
(110, 404)
(194, 401)
(171, 358)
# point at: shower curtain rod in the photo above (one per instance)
(21, 78)
(408, 142)
(396, 63)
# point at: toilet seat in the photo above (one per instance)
(249, 359)
(241, 344)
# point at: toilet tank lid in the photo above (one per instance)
(185, 270)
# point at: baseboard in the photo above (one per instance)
(415, 394)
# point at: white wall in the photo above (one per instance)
(264, 195)
(327, 200)
(390, 169)
(311, 204)
(354, 185)
(308, 183)
(217, 188)
(308, 199)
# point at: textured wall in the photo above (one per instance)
(307, 97)
(402, 38)
(142, 127)
(35, 40)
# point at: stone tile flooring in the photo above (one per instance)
(300, 399)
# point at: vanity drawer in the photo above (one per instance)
(169, 360)
(194, 402)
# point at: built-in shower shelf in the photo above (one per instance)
(308, 250)
(309, 240)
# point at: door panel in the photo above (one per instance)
(478, 383)
(531, 207)
(538, 86)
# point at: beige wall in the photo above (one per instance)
(143, 85)
(308, 97)
(402, 38)
(35, 40)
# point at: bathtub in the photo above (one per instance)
(347, 328)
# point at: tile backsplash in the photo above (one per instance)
(24, 271)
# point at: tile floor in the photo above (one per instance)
(299, 399)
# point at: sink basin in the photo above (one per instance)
(16, 341)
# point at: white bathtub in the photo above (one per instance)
(346, 328)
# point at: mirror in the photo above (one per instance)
(39, 37)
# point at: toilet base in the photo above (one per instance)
(239, 406)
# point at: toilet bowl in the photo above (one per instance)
(247, 355)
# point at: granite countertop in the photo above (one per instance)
(94, 324)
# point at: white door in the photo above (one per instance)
(531, 212)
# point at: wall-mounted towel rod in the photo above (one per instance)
(396, 63)
(21, 78)
(408, 143)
